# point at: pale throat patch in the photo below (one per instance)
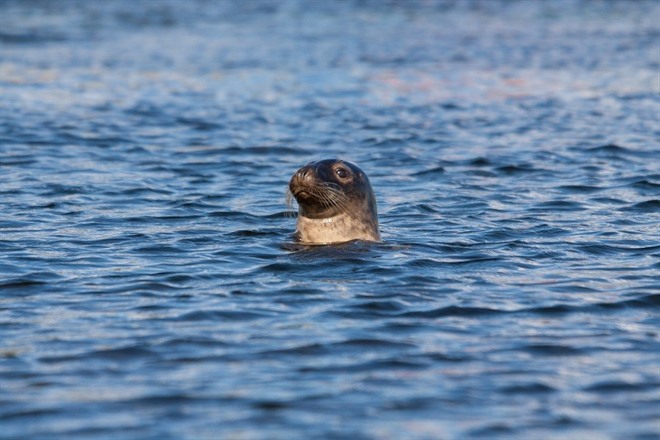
(337, 229)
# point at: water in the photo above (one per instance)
(149, 288)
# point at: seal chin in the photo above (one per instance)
(301, 194)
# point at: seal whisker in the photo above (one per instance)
(288, 197)
(333, 198)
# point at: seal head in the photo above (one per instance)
(335, 203)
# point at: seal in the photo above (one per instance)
(335, 203)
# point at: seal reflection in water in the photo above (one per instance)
(335, 203)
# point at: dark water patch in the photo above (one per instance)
(17, 162)
(605, 249)
(559, 205)
(284, 267)
(158, 249)
(251, 233)
(126, 284)
(303, 350)
(533, 388)
(163, 399)
(369, 366)
(415, 404)
(229, 214)
(572, 288)
(483, 173)
(474, 261)
(580, 189)
(516, 169)
(613, 151)
(645, 187)
(504, 235)
(450, 311)
(29, 413)
(609, 148)
(271, 405)
(146, 191)
(21, 283)
(643, 301)
(430, 171)
(493, 430)
(31, 38)
(179, 278)
(34, 278)
(127, 353)
(608, 201)
(56, 189)
(379, 307)
(649, 206)
(620, 387)
(267, 150)
(359, 344)
(123, 353)
(221, 315)
(551, 350)
(480, 162)
(199, 124)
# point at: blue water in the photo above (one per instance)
(149, 288)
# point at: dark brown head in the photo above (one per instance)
(329, 187)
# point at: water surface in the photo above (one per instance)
(148, 285)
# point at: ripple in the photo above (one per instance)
(650, 206)
(221, 315)
(533, 388)
(620, 387)
(452, 311)
(552, 350)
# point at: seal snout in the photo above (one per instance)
(302, 180)
(306, 173)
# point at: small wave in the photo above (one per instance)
(646, 185)
(31, 38)
(559, 205)
(442, 312)
(518, 169)
(130, 352)
(528, 388)
(221, 315)
(352, 366)
(21, 283)
(619, 386)
(381, 306)
(551, 350)
(650, 206)
(28, 413)
(609, 148)
(371, 344)
(430, 172)
(614, 151)
(580, 189)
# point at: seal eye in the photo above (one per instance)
(342, 173)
